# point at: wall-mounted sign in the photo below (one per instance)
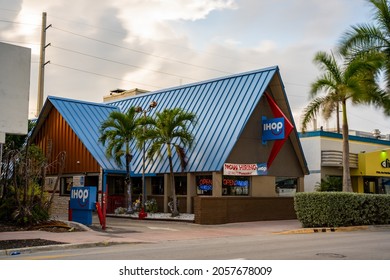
(275, 127)
(386, 163)
(272, 129)
(253, 169)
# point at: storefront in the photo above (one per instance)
(324, 155)
(373, 173)
(246, 157)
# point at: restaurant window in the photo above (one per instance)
(286, 186)
(66, 185)
(158, 185)
(235, 185)
(116, 185)
(136, 186)
(204, 185)
(181, 185)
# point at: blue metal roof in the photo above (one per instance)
(222, 106)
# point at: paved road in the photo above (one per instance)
(239, 241)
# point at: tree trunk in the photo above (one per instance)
(129, 199)
(347, 185)
(175, 211)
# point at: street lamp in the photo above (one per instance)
(138, 109)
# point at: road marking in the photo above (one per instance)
(44, 257)
(163, 228)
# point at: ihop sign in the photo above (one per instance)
(82, 203)
(272, 129)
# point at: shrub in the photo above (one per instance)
(25, 211)
(333, 209)
(330, 184)
(151, 206)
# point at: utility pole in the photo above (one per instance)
(42, 63)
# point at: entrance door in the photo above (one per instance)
(116, 193)
(371, 185)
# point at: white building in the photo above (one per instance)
(323, 153)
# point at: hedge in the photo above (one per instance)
(335, 209)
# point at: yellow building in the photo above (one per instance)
(373, 172)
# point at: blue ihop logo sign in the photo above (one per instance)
(272, 129)
(83, 198)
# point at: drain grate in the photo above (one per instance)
(331, 255)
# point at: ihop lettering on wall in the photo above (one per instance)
(273, 129)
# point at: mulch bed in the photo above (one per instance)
(52, 226)
(23, 243)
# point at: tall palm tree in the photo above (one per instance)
(119, 131)
(341, 83)
(363, 39)
(170, 129)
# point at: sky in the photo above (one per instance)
(99, 46)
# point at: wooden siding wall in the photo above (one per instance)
(56, 136)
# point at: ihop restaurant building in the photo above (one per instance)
(246, 164)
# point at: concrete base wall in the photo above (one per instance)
(221, 210)
(60, 206)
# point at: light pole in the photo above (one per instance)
(138, 109)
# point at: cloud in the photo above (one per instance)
(98, 46)
(155, 19)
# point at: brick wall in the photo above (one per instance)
(59, 206)
(220, 210)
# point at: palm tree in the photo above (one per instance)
(169, 129)
(353, 82)
(119, 131)
(363, 39)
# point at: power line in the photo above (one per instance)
(150, 39)
(142, 52)
(98, 74)
(121, 63)
(17, 22)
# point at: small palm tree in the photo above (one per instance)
(169, 129)
(118, 131)
(354, 81)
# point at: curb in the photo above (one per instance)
(321, 230)
(19, 251)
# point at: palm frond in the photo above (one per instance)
(311, 111)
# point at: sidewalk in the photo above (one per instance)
(126, 230)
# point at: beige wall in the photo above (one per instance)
(263, 186)
(250, 149)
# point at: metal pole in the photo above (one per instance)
(1, 165)
(41, 65)
(143, 168)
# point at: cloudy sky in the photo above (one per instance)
(99, 46)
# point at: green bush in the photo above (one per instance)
(151, 206)
(14, 209)
(330, 184)
(334, 209)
